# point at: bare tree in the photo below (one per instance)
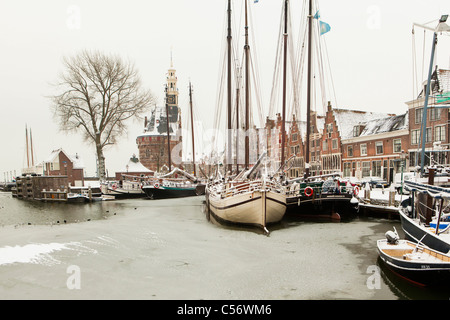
(98, 94)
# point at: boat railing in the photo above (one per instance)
(168, 182)
(297, 189)
(235, 188)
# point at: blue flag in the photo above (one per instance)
(256, 1)
(324, 27)
(317, 15)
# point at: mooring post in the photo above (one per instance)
(367, 192)
(391, 196)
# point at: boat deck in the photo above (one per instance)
(408, 251)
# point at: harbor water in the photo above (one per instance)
(169, 249)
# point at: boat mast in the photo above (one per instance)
(229, 103)
(28, 154)
(283, 123)
(31, 149)
(247, 90)
(192, 127)
(237, 129)
(308, 97)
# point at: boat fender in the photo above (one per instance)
(114, 186)
(356, 191)
(156, 185)
(392, 237)
(309, 191)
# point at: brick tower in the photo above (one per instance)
(152, 143)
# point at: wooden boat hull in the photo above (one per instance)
(415, 232)
(125, 194)
(253, 208)
(426, 272)
(326, 205)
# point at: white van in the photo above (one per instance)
(397, 183)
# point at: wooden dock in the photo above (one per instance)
(370, 205)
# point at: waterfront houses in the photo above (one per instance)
(437, 129)
(376, 148)
(363, 145)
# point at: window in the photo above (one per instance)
(429, 135)
(356, 131)
(439, 133)
(350, 151)
(376, 168)
(397, 145)
(363, 149)
(365, 169)
(415, 135)
(335, 144)
(325, 145)
(435, 114)
(347, 169)
(329, 130)
(329, 127)
(294, 137)
(419, 113)
(379, 147)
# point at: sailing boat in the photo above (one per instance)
(170, 185)
(324, 195)
(250, 198)
(32, 167)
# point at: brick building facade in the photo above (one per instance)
(59, 163)
(437, 128)
(377, 148)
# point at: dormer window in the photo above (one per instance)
(357, 130)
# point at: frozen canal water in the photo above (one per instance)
(167, 249)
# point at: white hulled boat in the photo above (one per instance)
(243, 200)
(249, 198)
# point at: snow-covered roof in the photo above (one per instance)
(441, 86)
(347, 119)
(134, 165)
(157, 124)
(76, 160)
(387, 124)
(320, 123)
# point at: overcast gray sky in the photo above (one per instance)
(369, 47)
